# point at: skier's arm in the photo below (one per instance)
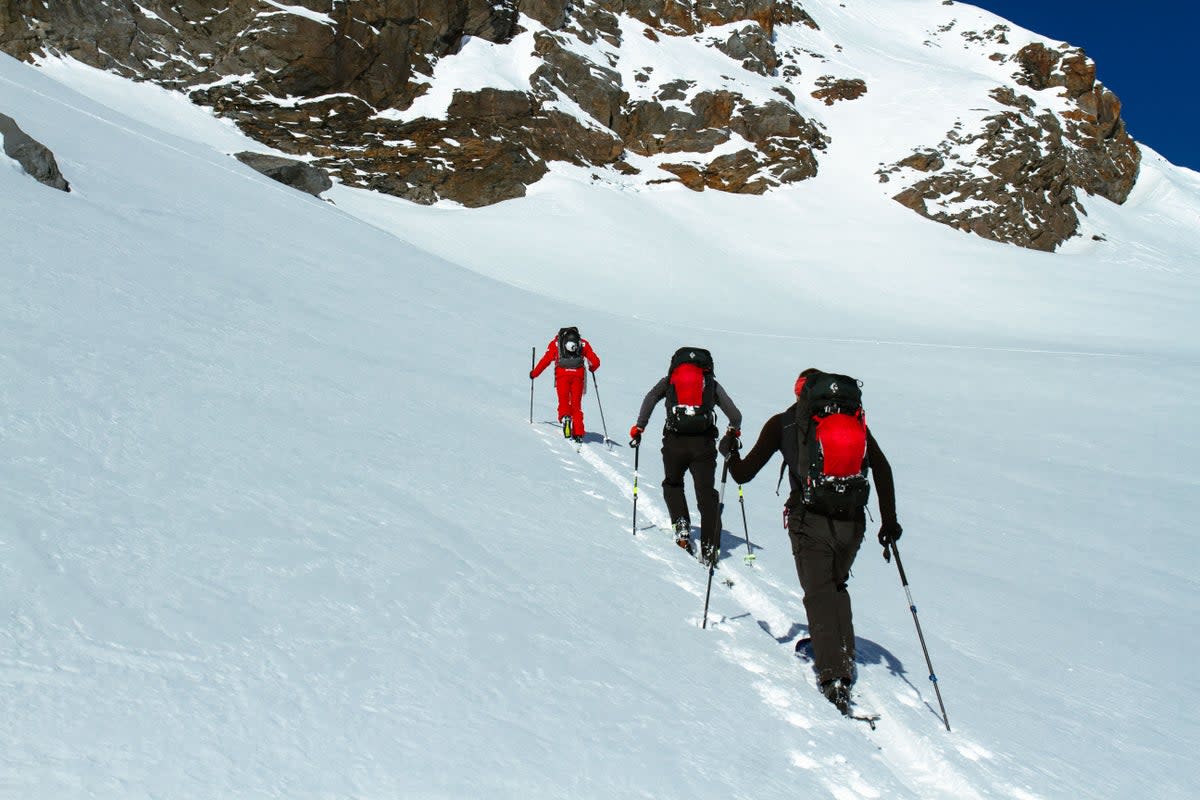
(551, 355)
(881, 474)
(727, 407)
(651, 400)
(590, 355)
(743, 470)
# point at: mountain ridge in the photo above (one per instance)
(614, 86)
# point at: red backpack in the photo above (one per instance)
(691, 393)
(827, 452)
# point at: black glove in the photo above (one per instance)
(889, 532)
(729, 443)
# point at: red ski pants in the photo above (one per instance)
(571, 384)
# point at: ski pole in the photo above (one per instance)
(749, 557)
(532, 359)
(601, 405)
(707, 592)
(637, 451)
(712, 557)
(913, 608)
(721, 499)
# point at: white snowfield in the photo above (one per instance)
(274, 522)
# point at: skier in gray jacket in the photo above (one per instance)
(689, 444)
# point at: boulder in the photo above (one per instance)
(296, 174)
(830, 89)
(33, 156)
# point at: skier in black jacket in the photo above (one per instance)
(823, 546)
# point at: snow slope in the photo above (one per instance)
(275, 522)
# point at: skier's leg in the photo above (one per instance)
(848, 538)
(562, 387)
(813, 551)
(675, 463)
(704, 475)
(576, 402)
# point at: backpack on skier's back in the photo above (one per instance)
(570, 348)
(831, 445)
(691, 392)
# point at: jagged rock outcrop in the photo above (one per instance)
(334, 80)
(1024, 195)
(1017, 178)
(288, 171)
(33, 156)
(360, 91)
(831, 89)
(1107, 159)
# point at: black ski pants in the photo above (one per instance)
(824, 550)
(698, 455)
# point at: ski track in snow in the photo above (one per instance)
(929, 345)
(905, 749)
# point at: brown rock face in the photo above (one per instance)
(1108, 158)
(722, 12)
(551, 13)
(1035, 161)
(1026, 197)
(371, 49)
(336, 82)
(784, 142)
(311, 77)
(924, 162)
(1037, 66)
(831, 89)
(791, 12)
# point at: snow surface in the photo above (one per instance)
(275, 523)
(299, 11)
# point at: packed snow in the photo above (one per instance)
(276, 522)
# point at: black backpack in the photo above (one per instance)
(692, 355)
(691, 393)
(570, 348)
(827, 448)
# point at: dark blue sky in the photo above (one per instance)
(1143, 53)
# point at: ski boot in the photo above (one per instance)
(566, 427)
(683, 536)
(838, 693)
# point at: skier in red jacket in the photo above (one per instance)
(568, 350)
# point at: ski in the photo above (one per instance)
(870, 719)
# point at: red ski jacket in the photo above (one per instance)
(552, 355)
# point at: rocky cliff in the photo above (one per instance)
(371, 92)
(1017, 176)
